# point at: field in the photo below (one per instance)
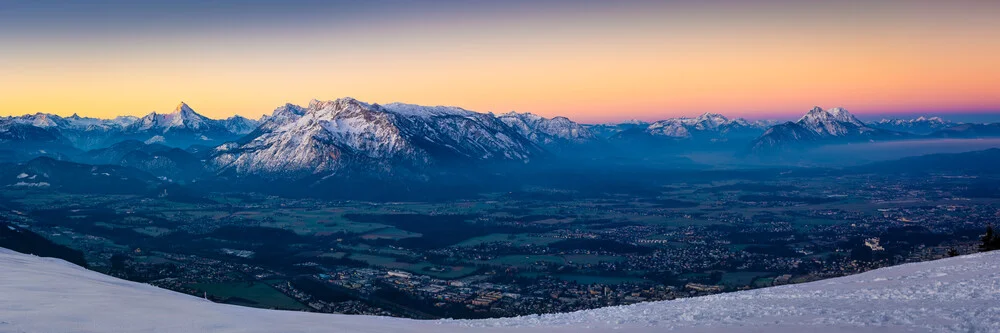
(739, 279)
(425, 268)
(256, 294)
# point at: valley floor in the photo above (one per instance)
(959, 294)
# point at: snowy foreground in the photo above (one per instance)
(951, 295)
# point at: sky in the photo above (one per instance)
(592, 61)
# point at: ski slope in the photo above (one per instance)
(962, 294)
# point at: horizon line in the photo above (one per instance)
(776, 116)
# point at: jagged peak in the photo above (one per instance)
(513, 113)
(316, 104)
(182, 107)
(839, 114)
(426, 111)
(186, 112)
(523, 115)
(712, 115)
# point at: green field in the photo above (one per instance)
(525, 260)
(739, 279)
(254, 294)
(514, 239)
(590, 258)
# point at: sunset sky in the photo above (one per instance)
(592, 61)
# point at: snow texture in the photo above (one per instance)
(346, 134)
(959, 294)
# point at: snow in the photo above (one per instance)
(707, 122)
(959, 294)
(544, 131)
(155, 139)
(240, 125)
(27, 184)
(426, 111)
(343, 134)
(832, 122)
(671, 127)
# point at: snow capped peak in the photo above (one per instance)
(183, 108)
(841, 114)
(353, 136)
(670, 127)
(183, 118)
(184, 114)
(342, 102)
(426, 111)
(707, 121)
(283, 114)
(818, 125)
(125, 120)
(546, 131)
(835, 121)
(712, 117)
(526, 116)
(44, 120)
(818, 115)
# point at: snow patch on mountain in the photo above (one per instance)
(546, 131)
(155, 139)
(413, 110)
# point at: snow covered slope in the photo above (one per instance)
(959, 294)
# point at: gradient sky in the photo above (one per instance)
(588, 60)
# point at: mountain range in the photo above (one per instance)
(820, 126)
(350, 136)
(180, 128)
(347, 138)
(920, 125)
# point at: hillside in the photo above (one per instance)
(950, 295)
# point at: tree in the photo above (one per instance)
(952, 252)
(990, 241)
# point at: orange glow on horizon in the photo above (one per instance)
(644, 68)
